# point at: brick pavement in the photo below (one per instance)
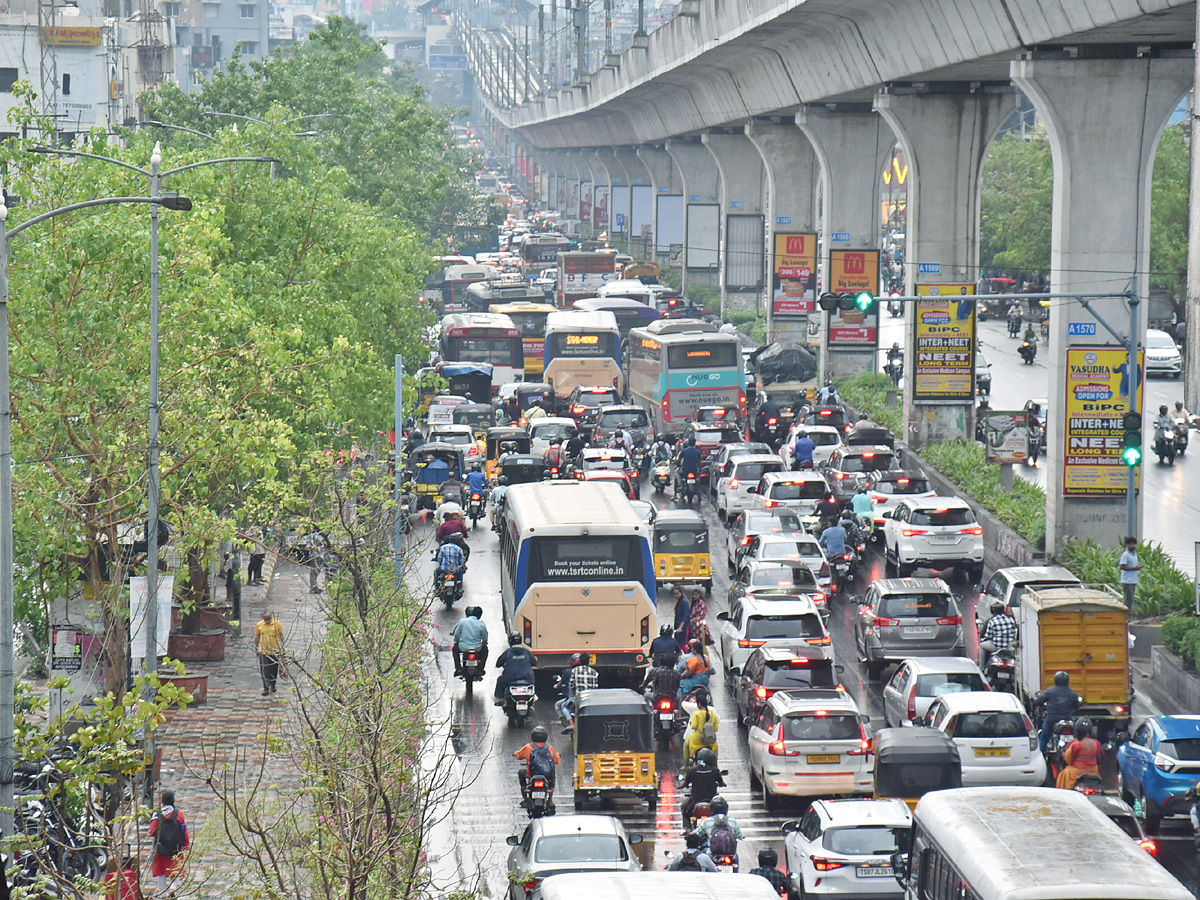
(224, 738)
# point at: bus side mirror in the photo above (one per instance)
(900, 867)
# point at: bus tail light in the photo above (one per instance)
(645, 629)
(528, 631)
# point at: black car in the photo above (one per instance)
(865, 433)
(584, 403)
(770, 669)
(826, 415)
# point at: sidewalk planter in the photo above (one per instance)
(214, 618)
(206, 646)
(1147, 638)
(176, 616)
(195, 683)
(1172, 679)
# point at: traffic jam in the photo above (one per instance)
(712, 620)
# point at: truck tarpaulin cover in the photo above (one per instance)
(784, 362)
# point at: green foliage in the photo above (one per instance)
(868, 394)
(1169, 211)
(705, 296)
(1163, 590)
(1015, 203)
(1177, 632)
(1022, 508)
(673, 278)
(1190, 652)
(740, 317)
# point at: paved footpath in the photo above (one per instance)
(224, 738)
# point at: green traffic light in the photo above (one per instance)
(863, 300)
(1132, 456)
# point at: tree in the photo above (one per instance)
(1015, 204)
(1169, 211)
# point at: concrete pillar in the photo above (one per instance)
(945, 137)
(743, 269)
(702, 211)
(618, 201)
(571, 185)
(587, 191)
(791, 181)
(1104, 119)
(851, 143)
(601, 192)
(668, 201)
(640, 224)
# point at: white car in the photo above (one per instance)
(804, 492)
(550, 428)
(648, 512)
(803, 745)
(886, 489)
(997, 744)
(852, 842)
(459, 435)
(772, 549)
(825, 437)
(932, 533)
(557, 844)
(795, 622)
(918, 682)
(1162, 355)
(736, 478)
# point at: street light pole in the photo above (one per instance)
(150, 662)
(7, 681)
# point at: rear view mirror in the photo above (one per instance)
(635, 838)
(977, 588)
(918, 721)
(1122, 737)
(789, 827)
(723, 616)
(866, 720)
(839, 669)
(752, 490)
(512, 840)
(857, 601)
(900, 867)
(887, 514)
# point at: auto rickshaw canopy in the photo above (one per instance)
(911, 762)
(613, 720)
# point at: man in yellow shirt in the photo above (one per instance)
(268, 643)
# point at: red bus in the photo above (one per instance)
(485, 338)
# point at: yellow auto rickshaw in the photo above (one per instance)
(911, 762)
(504, 439)
(480, 416)
(433, 463)
(614, 745)
(681, 548)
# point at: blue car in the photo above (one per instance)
(1158, 765)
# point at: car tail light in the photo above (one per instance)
(1120, 710)
(839, 475)
(745, 540)
(911, 709)
(1149, 846)
(578, 410)
(821, 864)
(474, 450)
(880, 622)
(878, 498)
(950, 620)
(703, 564)
(909, 532)
(797, 662)
(901, 481)
(769, 503)
(528, 632)
(662, 567)
(746, 642)
(868, 456)
(763, 693)
(825, 412)
(864, 744)
(818, 598)
(818, 641)
(779, 748)
(972, 529)
(733, 484)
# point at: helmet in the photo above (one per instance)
(474, 465)
(576, 659)
(503, 479)
(1083, 727)
(1162, 409)
(476, 611)
(1061, 678)
(705, 758)
(539, 734)
(997, 607)
(719, 805)
(514, 639)
(768, 857)
(1179, 405)
(665, 630)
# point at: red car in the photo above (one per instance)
(709, 438)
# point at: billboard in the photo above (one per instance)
(944, 343)
(851, 272)
(600, 208)
(794, 285)
(1006, 435)
(1097, 398)
(585, 201)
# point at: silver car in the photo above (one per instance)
(899, 618)
(557, 844)
(918, 682)
(757, 521)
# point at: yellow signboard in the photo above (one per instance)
(70, 36)
(1098, 388)
(944, 342)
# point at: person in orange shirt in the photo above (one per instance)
(694, 668)
(540, 758)
(1082, 756)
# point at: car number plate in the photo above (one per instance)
(943, 538)
(983, 752)
(917, 630)
(874, 871)
(819, 758)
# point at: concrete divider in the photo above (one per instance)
(1173, 679)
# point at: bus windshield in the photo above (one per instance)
(588, 346)
(594, 558)
(499, 351)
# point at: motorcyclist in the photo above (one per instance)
(620, 441)
(534, 756)
(862, 506)
(518, 665)
(477, 482)
(1000, 633)
(1164, 421)
(1180, 414)
(665, 643)
(1014, 320)
(579, 677)
(554, 455)
(703, 715)
(689, 464)
(895, 353)
(470, 634)
(452, 489)
(452, 523)
(802, 451)
(1082, 756)
(450, 558)
(702, 778)
(720, 815)
(828, 395)
(498, 493)
(768, 868)
(660, 451)
(575, 446)
(833, 540)
(854, 536)
(1058, 704)
(693, 859)
(662, 680)
(1030, 335)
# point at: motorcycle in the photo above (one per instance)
(661, 477)
(1164, 445)
(895, 308)
(1014, 326)
(537, 796)
(668, 721)
(1028, 351)
(449, 588)
(894, 369)
(472, 669)
(1089, 784)
(726, 865)
(518, 701)
(475, 508)
(1060, 739)
(840, 564)
(1001, 671)
(1181, 436)
(689, 483)
(637, 457)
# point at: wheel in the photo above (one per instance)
(577, 799)
(902, 570)
(664, 741)
(658, 489)
(889, 567)
(975, 574)
(874, 669)
(512, 721)
(755, 781)
(1151, 815)
(1122, 790)
(520, 721)
(652, 801)
(470, 685)
(708, 588)
(770, 801)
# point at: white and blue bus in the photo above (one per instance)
(679, 365)
(577, 575)
(583, 349)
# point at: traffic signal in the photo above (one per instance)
(828, 302)
(845, 302)
(1131, 442)
(864, 301)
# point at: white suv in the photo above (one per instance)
(997, 743)
(804, 492)
(803, 745)
(793, 622)
(737, 477)
(826, 439)
(932, 533)
(844, 847)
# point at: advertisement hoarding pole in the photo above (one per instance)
(1135, 380)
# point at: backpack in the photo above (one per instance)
(541, 762)
(708, 731)
(168, 835)
(689, 863)
(721, 841)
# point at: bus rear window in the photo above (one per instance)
(592, 558)
(702, 355)
(584, 346)
(497, 351)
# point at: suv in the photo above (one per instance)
(933, 533)
(848, 467)
(825, 440)
(805, 492)
(747, 524)
(584, 403)
(997, 743)
(900, 618)
(550, 428)
(886, 489)
(805, 746)
(630, 419)
(827, 415)
(845, 847)
(751, 623)
(769, 670)
(724, 454)
(737, 476)
(918, 682)
(1158, 765)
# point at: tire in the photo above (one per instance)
(1122, 791)
(512, 721)
(902, 570)
(770, 801)
(755, 781)
(470, 685)
(520, 721)
(577, 800)
(652, 801)
(975, 574)
(1152, 819)
(889, 567)
(874, 670)
(664, 741)
(658, 489)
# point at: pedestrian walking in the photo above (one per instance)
(268, 643)
(233, 583)
(316, 560)
(699, 616)
(1130, 571)
(683, 618)
(169, 834)
(258, 556)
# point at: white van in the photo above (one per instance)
(656, 886)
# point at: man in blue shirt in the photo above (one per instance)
(450, 558)
(477, 482)
(802, 451)
(689, 463)
(470, 634)
(833, 540)
(863, 507)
